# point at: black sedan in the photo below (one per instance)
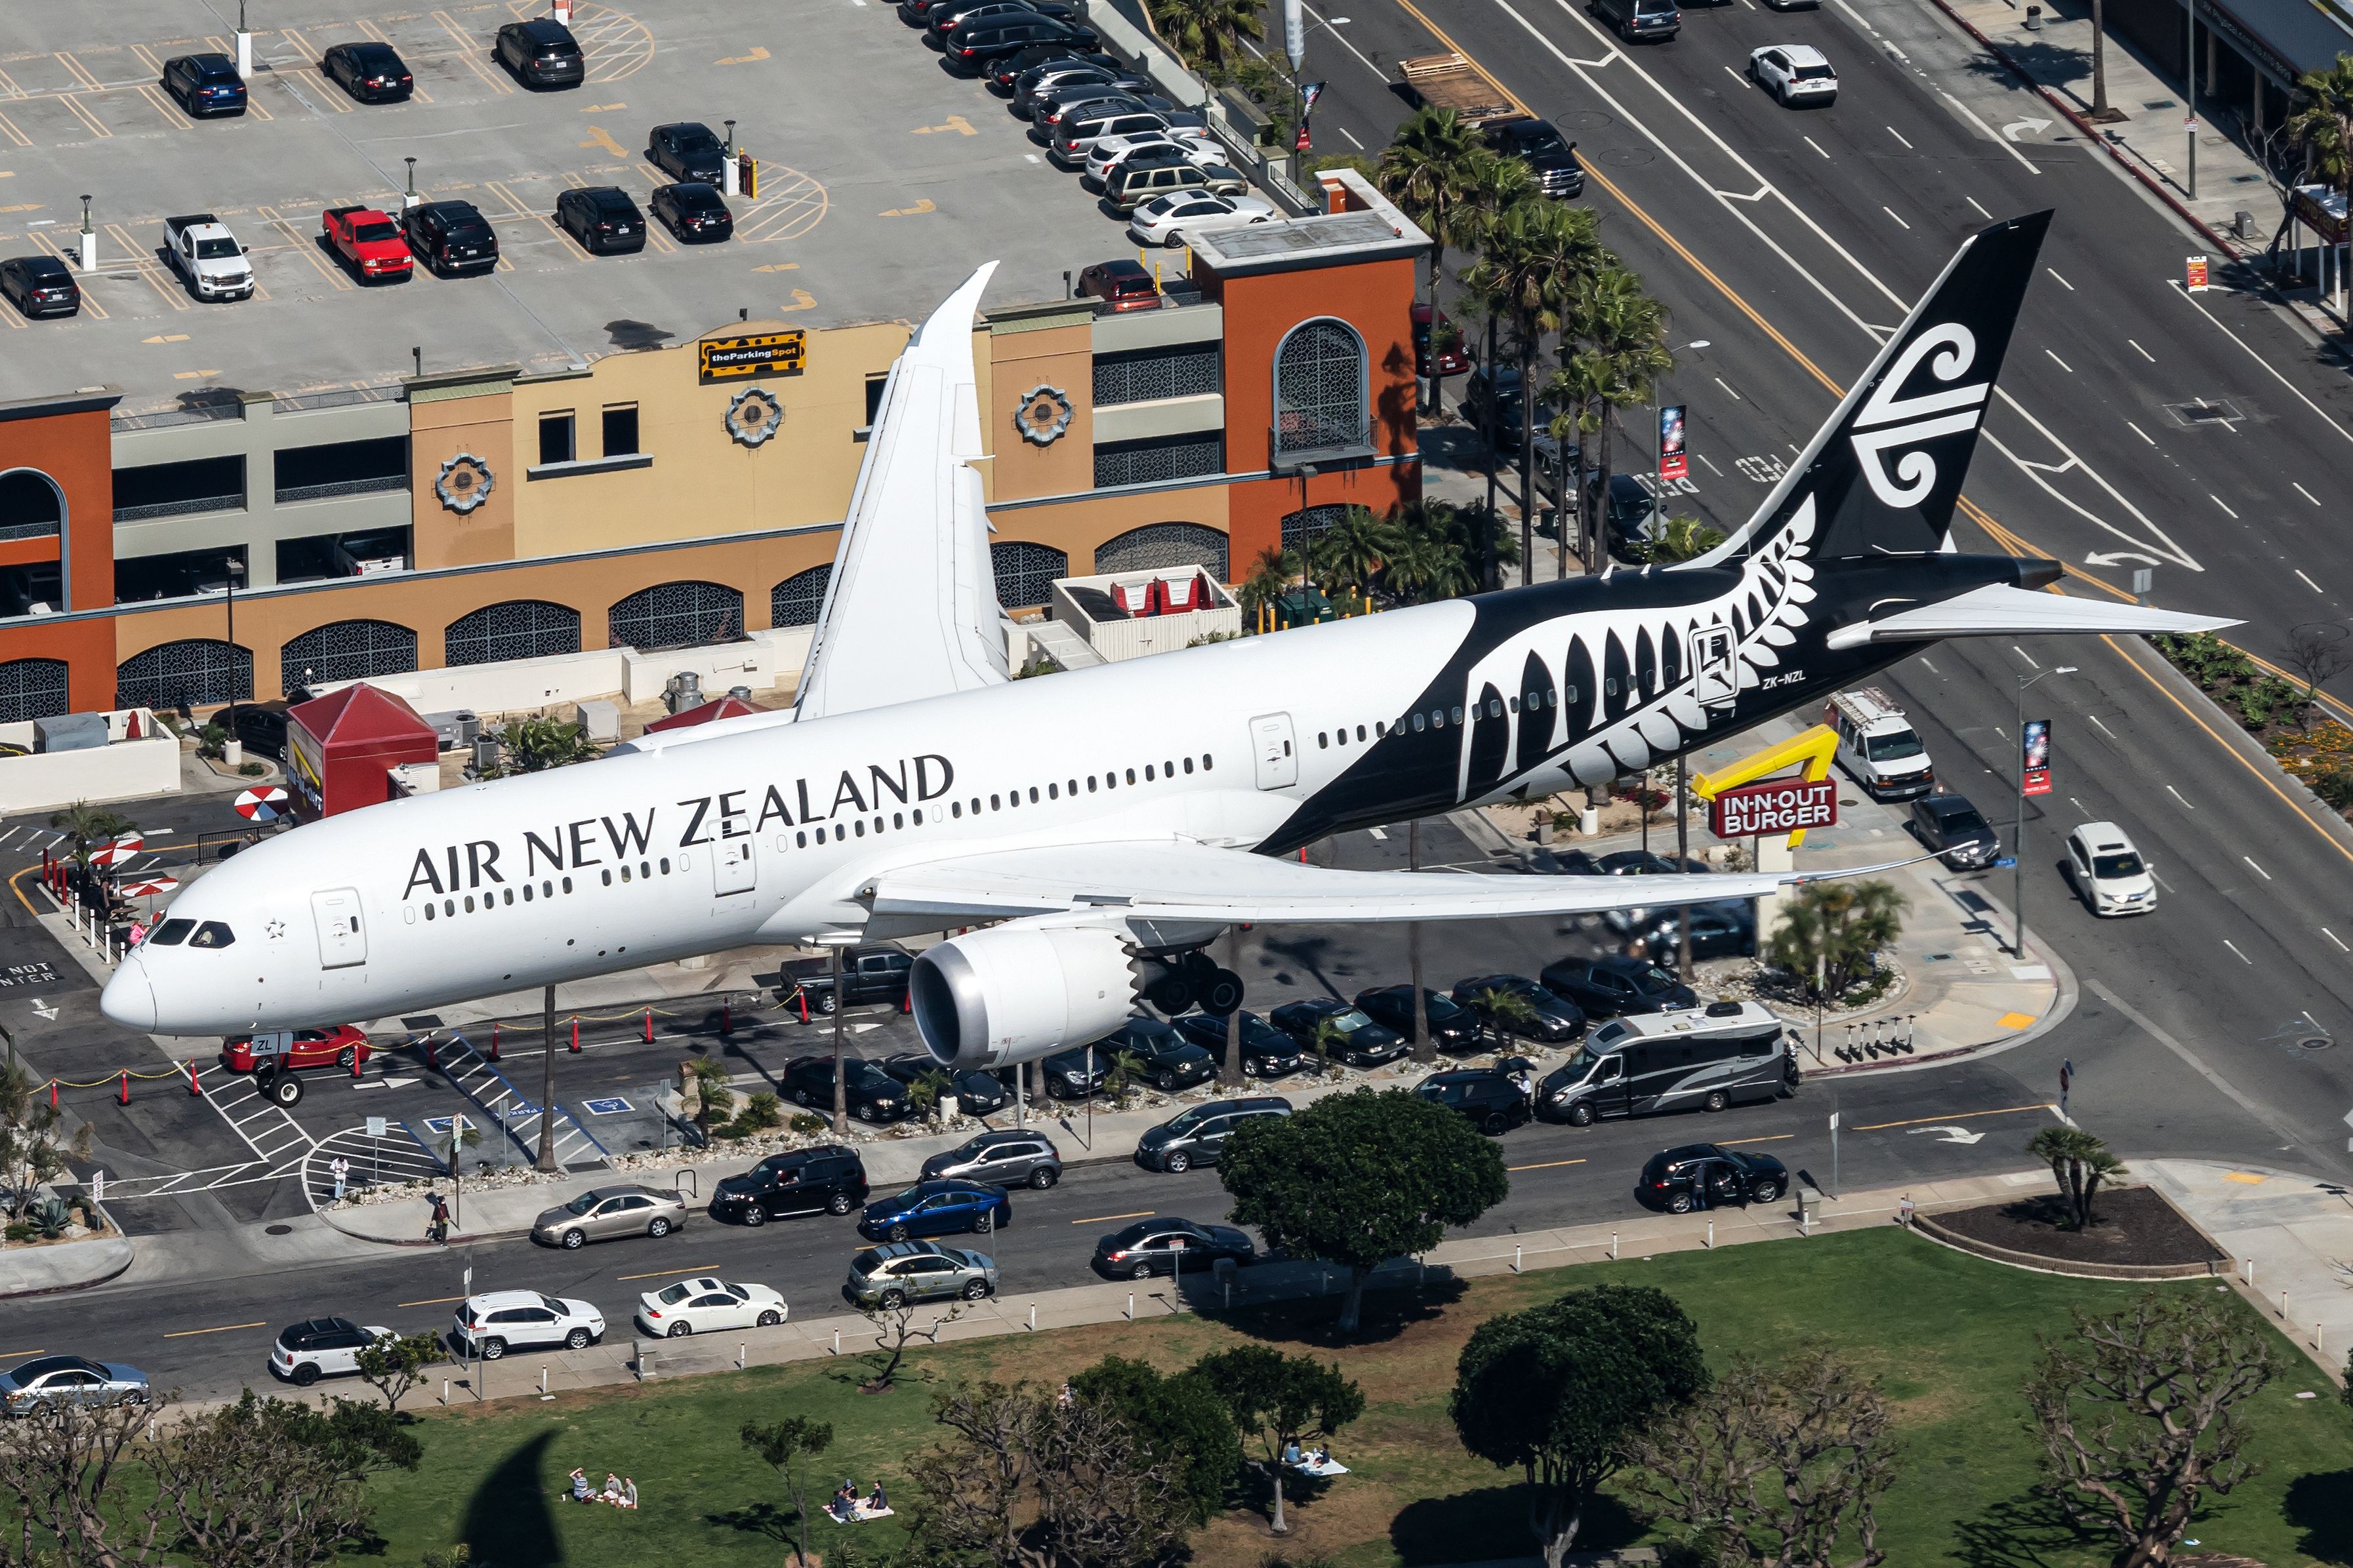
(39, 285)
(450, 238)
(1955, 830)
(869, 1093)
(976, 1093)
(1151, 1247)
(1726, 929)
(1452, 1027)
(1488, 1097)
(1267, 1051)
(1613, 987)
(603, 219)
(373, 73)
(1168, 1061)
(693, 211)
(1548, 1018)
(686, 151)
(1705, 1175)
(1625, 863)
(1356, 1039)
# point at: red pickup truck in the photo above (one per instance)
(369, 240)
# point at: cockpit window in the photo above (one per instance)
(171, 933)
(212, 933)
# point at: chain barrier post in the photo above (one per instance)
(649, 1026)
(576, 1034)
(125, 1098)
(494, 1039)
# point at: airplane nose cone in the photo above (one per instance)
(130, 998)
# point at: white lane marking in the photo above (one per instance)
(2217, 500)
(2307, 582)
(2142, 352)
(2063, 365)
(2335, 938)
(2250, 859)
(1899, 136)
(2001, 142)
(2025, 655)
(2194, 304)
(1033, 157)
(2180, 796)
(2190, 1058)
(1816, 146)
(1703, 456)
(2062, 282)
(1345, 44)
(1891, 213)
(2306, 494)
(2095, 718)
(1351, 135)
(1738, 78)
(1980, 206)
(2138, 431)
(1727, 386)
(2234, 948)
(1378, 832)
(1758, 194)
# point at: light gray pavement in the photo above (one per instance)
(2290, 1238)
(67, 1266)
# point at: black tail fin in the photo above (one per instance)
(1882, 477)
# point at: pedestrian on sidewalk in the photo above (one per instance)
(436, 1229)
(340, 1169)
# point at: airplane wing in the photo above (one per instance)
(910, 611)
(1997, 611)
(1181, 881)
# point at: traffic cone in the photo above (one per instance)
(494, 1039)
(355, 1064)
(195, 1084)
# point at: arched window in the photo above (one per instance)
(346, 650)
(196, 671)
(676, 614)
(1025, 572)
(796, 601)
(31, 505)
(1323, 395)
(1304, 526)
(1163, 544)
(32, 688)
(518, 628)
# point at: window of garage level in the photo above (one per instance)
(195, 671)
(621, 430)
(347, 650)
(518, 628)
(32, 688)
(555, 437)
(796, 601)
(676, 614)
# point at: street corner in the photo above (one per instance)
(59, 1267)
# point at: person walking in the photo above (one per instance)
(340, 1169)
(437, 1229)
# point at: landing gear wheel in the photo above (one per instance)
(285, 1088)
(1222, 993)
(1171, 992)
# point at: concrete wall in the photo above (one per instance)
(765, 661)
(123, 771)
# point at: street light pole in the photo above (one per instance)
(2018, 834)
(231, 569)
(546, 1161)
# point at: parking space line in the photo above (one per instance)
(1951, 1115)
(8, 88)
(18, 137)
(1106, 1219)
(222, 1328)
(669, 1273)
(73, 103)
(143, 257)
(89, 305)
(469, 51)
(13, 1356)
(309, 252)
(81, 72)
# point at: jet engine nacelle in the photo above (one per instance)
(1014, 992)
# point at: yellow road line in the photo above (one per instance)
(670, 1273)
(225, 1328)
(12, 1355)
(1775, 1137)
(1955, 1116)
(1103, 1218)
(1545, 1166)
(435, 1301)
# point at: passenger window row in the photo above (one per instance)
(1003, 799)
(495, 898)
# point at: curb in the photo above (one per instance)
(2066, 993)
(130, 1257)
(2036, 1263)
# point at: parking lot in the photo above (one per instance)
(884, 182)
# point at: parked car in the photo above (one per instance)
(1151, 1247)
(1007, 70)
(972, 50)
(901, 1272)
(496, 1322)
(204, 251)
(1067, 69)
(1555, 1019)
(1627, 863)
(828, 1178)
(1076, 128)
(341, 1046)
(602, 1214)
(1196, 1137)
(978, 1093)
(314, 1347)
(1551, 158)
(2107, 872)
(1610, 986)
(204, 84)
(1148, 149)
(705, 1305)
(936, 1207)
(1170, 1061)
(1629, 518)
(369, 241)
(1636, 20)
(1448, 361)
(1081, 89)
(871, 1094)
(1707, 1176)
(693, 211)
(1072, 1074)
(687, 150)
(1955, 830)
(1174, 220)
(46, 1382)
(1123, 284)
(1725, 929)
(1795, 74)
(371, 72)
(1267, 1051)
(1452, 1027)
(1489, 1097)
(541, 52)
(1014, 1158)
(41, 286)
(946, 16)
(603, 219)
(1362, 1042)
(1702, 1059)
(450, 238)
(869, 974)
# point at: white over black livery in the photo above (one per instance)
(1101, 826)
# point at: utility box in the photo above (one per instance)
(415, 778)
(69, 732)
(598, 719)
(459, 727)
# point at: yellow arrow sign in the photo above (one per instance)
(802, 300)
(603, 108)
(597, 137)
(919, 208)
(757, 54)
(779, 267)
(172, 337)
(956, 122)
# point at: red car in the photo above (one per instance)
(369, 240)
(1123, 284)
(1449, 361)
(340, 1047)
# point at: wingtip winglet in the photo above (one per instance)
(955, 313)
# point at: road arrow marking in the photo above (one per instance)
(921, 208)
(1952, 1134)
(758, 53)
(387, 1083)
(42, 1009)
(2030, 123)
(2117, 557)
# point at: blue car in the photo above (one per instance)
(943, 1207)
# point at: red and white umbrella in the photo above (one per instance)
(148, 887)
(263, 803)
(118, 852)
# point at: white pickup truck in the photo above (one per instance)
(208, 257)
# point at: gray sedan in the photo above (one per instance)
(601, 1213)
(899, 1272)
(49, 1381)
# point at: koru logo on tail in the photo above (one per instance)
(1890, 421)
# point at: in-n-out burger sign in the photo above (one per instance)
(1777, 805)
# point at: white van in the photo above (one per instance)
(1877, 746)
(2109, 875)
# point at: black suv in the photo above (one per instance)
(542, 53)
(1195, 1137)
(1151, 1247)
(262, 728)
(1452, 1027)
(979, 1093)
(1267, 1051)
(828, 1177)
(1958, 834)
(41, 286)
(973, 50)
(450, 238)
(872, 1095)
(1362, 1042)
(204, 84)
(1489, 1098)
(1614, 987)
(1706, 1175)
(1171, 1061)
(603, 219)
(1550, 159)
(867, 975)
(1555, 1019)
(694, 211)
(373, 73)
(686, 151)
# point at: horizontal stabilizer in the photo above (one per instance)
(2001, 611)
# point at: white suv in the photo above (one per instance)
(497, 1322)
(2108, 872)
(317, 1347)
(1794, 73)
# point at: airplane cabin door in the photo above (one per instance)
(343, 942)
(733, 869)
(1715, 671)
(1278, 763)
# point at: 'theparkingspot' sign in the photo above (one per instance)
(1777, 805)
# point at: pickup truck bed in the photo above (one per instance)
(1451, 81)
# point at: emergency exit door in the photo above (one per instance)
(1278, 764)
(733, 869)
(1715, 668)
(343, 943)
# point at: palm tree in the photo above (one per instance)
(537, 744)
(1330, 1041)
(1269, 578)
(88, 826)
(1506, 1012)
(1346, 558)
(1491, 190)
(1624, 331)
(1206, 33)
(2324, 128)
(1576, 389)
(1681, 539)
(2102, 114)
(1120, 1078)
(1427, 170)
(2079, 1161)
(928, 1090)
(713, 1096)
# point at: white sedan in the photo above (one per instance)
(704, 1305)
(1108, 153)
(1794, 73)
(1167, 220)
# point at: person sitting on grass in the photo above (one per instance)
(579, 1485)
(612, 1493)
(875, 1501)
(628, 1498)
(845, 1501)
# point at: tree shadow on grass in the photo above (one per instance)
(2321, 1505)
(1493, 1523)
(2023, 1531)
(1313, 1321)
(507, 1519)
(760, 1519)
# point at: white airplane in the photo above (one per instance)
(1102, 826)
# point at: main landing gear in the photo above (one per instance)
(1177, 982)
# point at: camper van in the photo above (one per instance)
(1877, 745)
(1707, 1058)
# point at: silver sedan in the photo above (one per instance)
(601, 1213)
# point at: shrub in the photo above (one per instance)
(763, 1110)
(20, 1231)
(251, 770)
(210, 739)
(807, 1122)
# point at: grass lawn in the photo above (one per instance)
(1952, 1339)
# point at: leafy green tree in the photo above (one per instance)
(1506, 1012)
(393, 1364)
(1280, 1400)
(87, 826)
(1359, 1178)
(1186, 1427)
(707, 1078)
(271, 1483)
(535, 745)
(34, 1149)
(789, 1447)
(1122, 1073)
(1620, 335)
(1557, 1390)
(2324, 126)
(1269, 579)
(1428, 169)
(1831, 933)
(925, 1092)
(1681, 539)
(2079, 1162)
(1493, 190)
(1208, 34)
(1346, 559)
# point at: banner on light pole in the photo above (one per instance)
(2034, 757)
(1675, 462)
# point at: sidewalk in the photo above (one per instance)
(68, 1266)
(2292, 1237)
